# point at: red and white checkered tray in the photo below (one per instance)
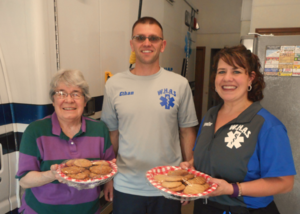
(90, 183)
(163, 170)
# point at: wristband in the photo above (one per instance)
(240, 188)
(235, 191)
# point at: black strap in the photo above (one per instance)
(233, 209)
(270, 209)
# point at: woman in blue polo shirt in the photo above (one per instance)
(240, 144)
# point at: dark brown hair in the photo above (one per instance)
(147, 20)
(242, 57)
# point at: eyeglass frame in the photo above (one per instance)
(67, 94)
(147, 37)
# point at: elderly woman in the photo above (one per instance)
(242, 145)
(65, 134)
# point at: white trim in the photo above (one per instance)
(19, 127)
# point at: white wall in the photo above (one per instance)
(222, 23)
(27, 42)
(175, 33)
(94, 36)
(79, 39)
(116, 19)
(220, 26)
(275, 14)
(115, 33)
(246, 17)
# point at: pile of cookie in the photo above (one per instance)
(83, 169)
(182, 181)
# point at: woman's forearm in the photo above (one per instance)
(267, 186)
(36, 179)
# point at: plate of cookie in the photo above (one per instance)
(86, 174)
(180, 184)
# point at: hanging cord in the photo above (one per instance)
(132, 55)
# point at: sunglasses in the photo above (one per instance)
(141, 38)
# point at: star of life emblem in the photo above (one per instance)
(167, 101)
(234, 139)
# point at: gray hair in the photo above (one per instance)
(70, 78)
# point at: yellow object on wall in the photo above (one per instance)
(132, 58)
(107, 75)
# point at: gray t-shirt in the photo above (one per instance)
(147, 111)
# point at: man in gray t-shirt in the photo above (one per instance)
(151, 117)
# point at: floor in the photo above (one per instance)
(188, 209)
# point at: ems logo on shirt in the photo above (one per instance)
(167, 97)
(207, 124)
(236, 136)
(123, 93)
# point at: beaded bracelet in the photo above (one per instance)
(240, 188)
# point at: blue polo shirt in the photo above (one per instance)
(252, 146)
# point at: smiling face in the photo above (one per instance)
(232, 82)
(68, 109)
(147, 52)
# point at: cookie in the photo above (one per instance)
(174, 178)
(82, 163)
(206, 185)
(194, 189)
(80, 176)
(178, 189)
(170, 184)
(93, 175)
(70, 162)
(102, 170)
(197, 180)
(180, 172)
(188, 176)
(160, 178)
(72, 169)
(100, 162)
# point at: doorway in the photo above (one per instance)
(199, 77)
(212, 101)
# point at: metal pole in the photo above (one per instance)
(140, 9)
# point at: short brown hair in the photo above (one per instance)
(241, 56)
(147, 20)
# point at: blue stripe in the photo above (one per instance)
(27, 113)
(5, 114)
(199, 131)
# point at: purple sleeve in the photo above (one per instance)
(27, 163)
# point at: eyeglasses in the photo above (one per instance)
(63, 95)
(141, 38)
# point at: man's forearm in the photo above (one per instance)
(114, 138)
(187, 141)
